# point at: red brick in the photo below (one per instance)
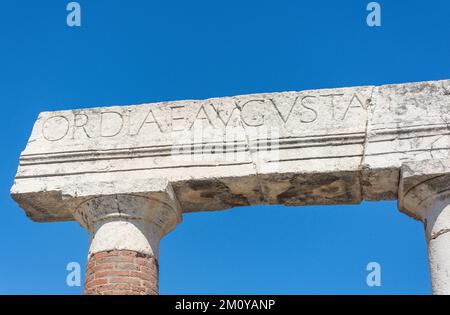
(127, 266)
(121, 272)
(113, 259)
(96, 282)
(110, 273)
(130, 280)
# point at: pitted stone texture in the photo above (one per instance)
(422, 184)
(149, 200)
(132, 215)
(295, 148)
(409, 122)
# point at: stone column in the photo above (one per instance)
(437, 229)
(125, 231)
(425, 195)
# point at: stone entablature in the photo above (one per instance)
(126, 173)
(331, 146)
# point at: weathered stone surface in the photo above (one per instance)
(331, 146)
(422, 184)
(409, 122)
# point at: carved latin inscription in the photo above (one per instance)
(283, 109)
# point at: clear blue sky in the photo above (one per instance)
(129, 52)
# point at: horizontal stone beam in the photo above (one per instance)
(330, 146)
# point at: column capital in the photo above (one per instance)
(126, 219)
(128, 214)
(423, 184)
(151, 201)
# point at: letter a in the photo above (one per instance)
(74, 17)
(374, 17)
(374, 277)
(73, 278)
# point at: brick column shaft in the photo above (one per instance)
(121, 272)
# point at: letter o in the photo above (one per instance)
(55, 128)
